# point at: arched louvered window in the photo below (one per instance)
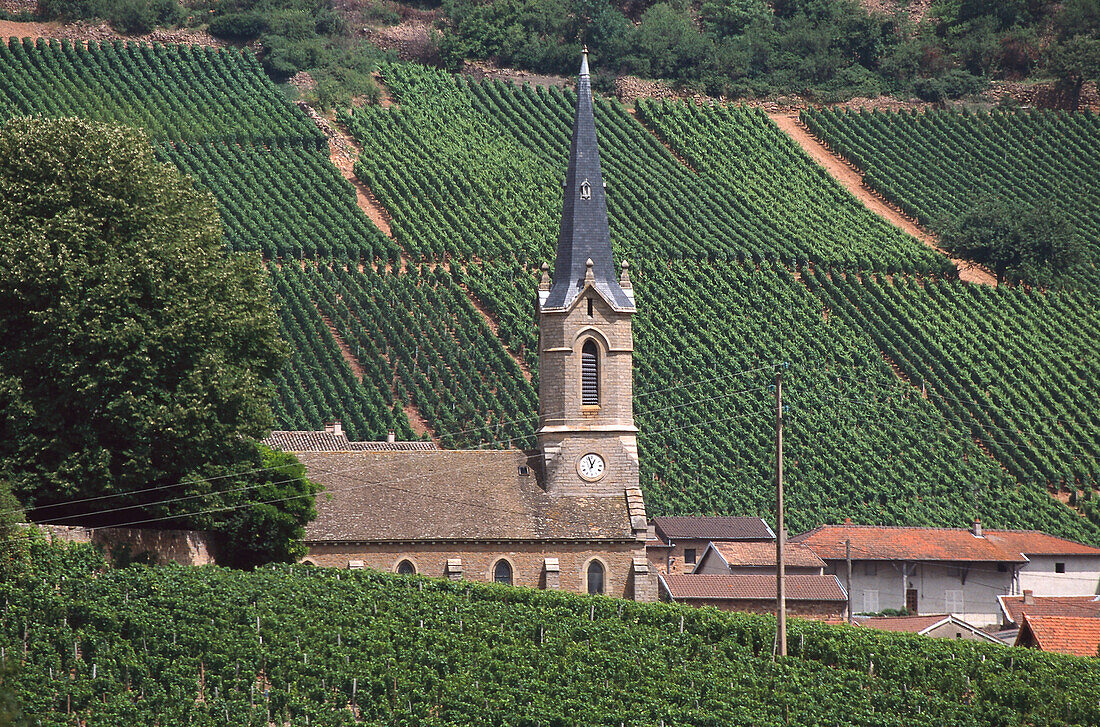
(595, 577)
(590, 374)
(502, 572)
(406, 568)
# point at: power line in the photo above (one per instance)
(496, 425)
(294, 479)
(386, 485)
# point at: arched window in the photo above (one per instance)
(595, 577)
(406, 568)
(590, 374)
(502, 572)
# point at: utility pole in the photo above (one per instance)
(848, 576)
(780, 528)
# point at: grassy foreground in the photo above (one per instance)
(298, 645)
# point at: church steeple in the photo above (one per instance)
(586, 427)
(584, 240)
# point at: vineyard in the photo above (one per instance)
(305, 646)
(935, 164)
(913, 399)
(170, 91)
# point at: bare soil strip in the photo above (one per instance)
(852, 180)
(343, 151)
(634, 112)
(416, 421)
(495, 328)
(345, 349)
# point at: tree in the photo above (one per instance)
(138, 352)
(1074, 56)
(1035, 244)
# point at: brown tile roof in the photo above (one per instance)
(331, 442)
(712, 528)
(1061, 634)
(907, 624)
(752, 587)
(763, 554)
(1081, 606)
(873, 542)
(1034, 542)
(449, 495)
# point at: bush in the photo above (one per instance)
(955, 83)
(239, 26)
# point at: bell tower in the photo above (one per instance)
(586, 432)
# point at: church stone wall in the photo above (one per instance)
(478, 560)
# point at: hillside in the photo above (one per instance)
(744, 254)
(305, 646)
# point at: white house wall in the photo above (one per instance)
(932, 582)
(1082, 576)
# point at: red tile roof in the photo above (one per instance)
(1078, 606)
(756, 554)
(1034, 542)
(712, 528)
(752, 587)
(874, 542)
(1062, 634)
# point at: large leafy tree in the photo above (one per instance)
(138, 352)
(1020, 243)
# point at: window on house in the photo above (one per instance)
(502, 572)
(590, 374)
(870, 568)
(595, 577)
(870, 602)
(1059, 567)
(953, 601)
(689, 555)
(406, 568)
(589, 307)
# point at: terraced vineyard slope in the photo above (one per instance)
(913, 399)
(300, 645)
(933, 165)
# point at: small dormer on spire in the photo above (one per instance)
(584, 240)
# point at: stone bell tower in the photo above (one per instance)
(586, 432)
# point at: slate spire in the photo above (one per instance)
(584, 234)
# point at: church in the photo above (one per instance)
(567, 516)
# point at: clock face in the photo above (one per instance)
(591, 467)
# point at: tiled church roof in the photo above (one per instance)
(469, 495)
(332, 442)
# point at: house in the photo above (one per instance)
(940, 626)
(568, 515)
(746, 558)
(676, 543)
(1014, 608)
(1055, 566)
(938, 570)
(1061, 634)
(808, 596)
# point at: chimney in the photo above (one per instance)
(1029, 597)
(391, 436)
(334, 427)
(847, 521)
(977, 528)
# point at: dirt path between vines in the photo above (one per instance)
(343, 151)
(495, 328)
(852, 180)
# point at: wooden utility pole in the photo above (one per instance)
(848, 576)
(780, 528)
